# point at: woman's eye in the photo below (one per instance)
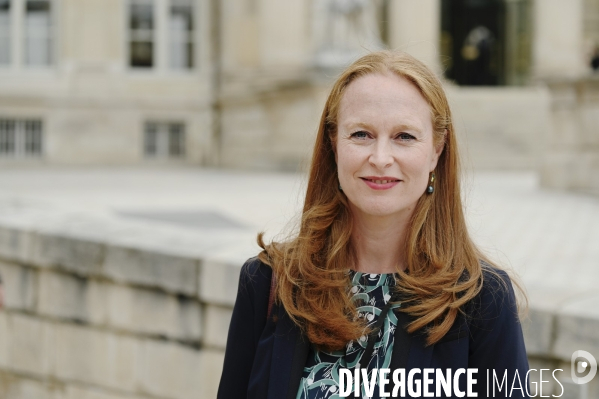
(405, 137)
(359, 135)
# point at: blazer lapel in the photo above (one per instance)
(402, 342)
(289, 354)
(409, 350)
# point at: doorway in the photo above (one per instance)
(486, 42)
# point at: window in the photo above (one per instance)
(164, 140)
(20, 138)
(161, 34)
(26, 33)
(181, 34)
(5, 28)
(141, 23)
(38, 40)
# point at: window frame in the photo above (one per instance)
(20, 141)
(163, 140)
(161, 40)
(17, 50)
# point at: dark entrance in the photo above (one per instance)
(485, 42)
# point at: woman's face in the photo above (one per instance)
(384, 146)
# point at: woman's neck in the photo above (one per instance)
(378, 243)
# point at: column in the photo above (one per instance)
(414, 27)
(558, 38)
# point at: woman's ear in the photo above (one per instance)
(439, 147)
(441, 144)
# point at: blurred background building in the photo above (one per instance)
(241, 82)
(119, 281)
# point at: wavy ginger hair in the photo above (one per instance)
(443, 270)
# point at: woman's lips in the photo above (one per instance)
(380, 183)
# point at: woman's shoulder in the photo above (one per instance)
(255, 276)
(496, 299)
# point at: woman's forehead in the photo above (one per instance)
(389, 97)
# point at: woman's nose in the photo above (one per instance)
(381, 156)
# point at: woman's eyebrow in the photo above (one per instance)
(396, 128)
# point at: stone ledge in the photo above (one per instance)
(171, 273)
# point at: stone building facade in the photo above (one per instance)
(241, 83)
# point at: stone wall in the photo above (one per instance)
(86, 319)
(93, 319)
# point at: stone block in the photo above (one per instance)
(538, 332)
(95, 357)
(170, 370)
(219, 280)
(68, 253)
(190, 320)
(152, 312)
(20, 285)
(576, 327)
(78, 392)
(17, 387)
(211, 368)
(138, 310)
(29, 345)
(15, 244)
(62, 295)
(216, 326)
(168, 272)
(4, 344)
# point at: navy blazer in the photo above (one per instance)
(264, 359)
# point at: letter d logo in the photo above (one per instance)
(589, 360)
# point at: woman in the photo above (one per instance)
(382, 239)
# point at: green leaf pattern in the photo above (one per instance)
(320, 379)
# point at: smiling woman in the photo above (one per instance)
(382, 274)
(385, 150)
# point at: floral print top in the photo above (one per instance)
(320, 379)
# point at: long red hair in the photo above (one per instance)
(443, 265)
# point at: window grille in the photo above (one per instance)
(20, 138)
(164, 140)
